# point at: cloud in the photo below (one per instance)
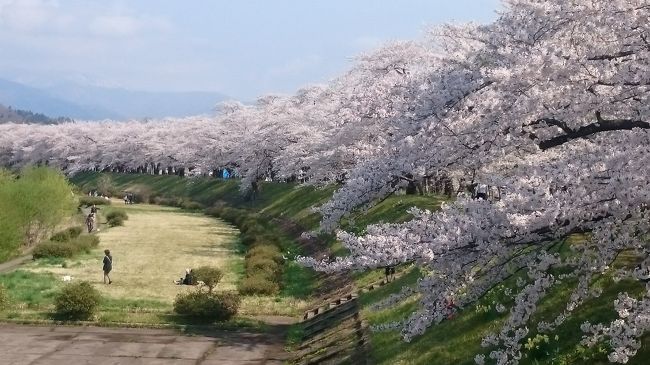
(47, 17)
(122, 25)
(27, 16)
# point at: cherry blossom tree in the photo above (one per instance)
(551, 101)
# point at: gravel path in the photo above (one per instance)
(28, 345)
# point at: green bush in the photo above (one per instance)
(208, 275)
(117, 213)
(260, 264)
(269, 251)
(258, 284)
(4, 297)
(67, 234)
(165, 200)
(54, 249)
(116, 218)
(215, 211)
(86, 201)
(207, 306)
(141, 193)
(66, 249)
(191, 205)
(114, 222)
(257, 235)
(233, 215)
(248, 224)
(77, 301)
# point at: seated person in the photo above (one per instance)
(187, 280)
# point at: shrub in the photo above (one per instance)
(270, 251)
(86, 201)
(54, 249)
(77, 301)
(262, 264)
(114, 222)
(117, 213)
(141, 193)
(268, 239)
(209, 275)
(66, 249)
(258, 284)
(116, 218)
(229, 304)
(210, 306)
(248, 224)
(215, 211)
(191, 205)
(67, 234)
(4, 297)
(164, 200)
(232, 215)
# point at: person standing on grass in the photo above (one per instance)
(90, 222)
(108, 265)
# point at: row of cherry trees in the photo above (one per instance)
(550, 100)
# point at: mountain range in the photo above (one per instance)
(89, 102)
(11, 115)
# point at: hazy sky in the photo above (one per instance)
(241, 48)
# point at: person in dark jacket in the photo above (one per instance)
(187, 280)
(108, 265)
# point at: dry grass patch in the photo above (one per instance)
(152, 249)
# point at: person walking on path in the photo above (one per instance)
(90, 222)
(108, 265)
(94, 209)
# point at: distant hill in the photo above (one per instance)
(23, 97)
(8, 115)
(94, 102)
(140, 104)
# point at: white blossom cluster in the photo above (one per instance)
(549, 101)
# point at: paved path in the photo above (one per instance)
(27, 345)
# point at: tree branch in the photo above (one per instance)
(602, 125)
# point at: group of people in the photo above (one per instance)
(91, 218)
(129, 198)
(480, 191)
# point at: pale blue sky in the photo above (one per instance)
(240, 48)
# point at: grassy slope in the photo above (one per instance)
(451, 342)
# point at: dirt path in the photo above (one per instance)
(14, 263)
(25, 345)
